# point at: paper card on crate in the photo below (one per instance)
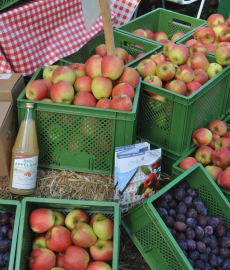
(138, 177)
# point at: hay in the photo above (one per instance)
(70, 185)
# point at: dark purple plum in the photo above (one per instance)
(212, 260)
(162, 204)
(199, 233)
(12, 220)
(226, 264)
(1, 236)
(162, 212)
(6, 257)
(208, 250)
(5, 245)
(191, 213)
(220, 231)
(4, 230)
(179, 194)
(10, 234)
(5, 268)
(224, 253)
(208, 231)
(166, 197)
(191, 223)
(181, 208)
(199, 264)
(172, 213)
(187, 200)
(169, 221)
(180, 217)
(215, 251)
(209, 217)
(227, 233)
(191, 244)
(208, 266)
(180, 226)
(219, 261)
(202, 221)
(184, 185)
(191, 262)
(204, 212)
(213, 222)
(224, 242)
(180, 236)
(191, 192)
(2, 263)
(182, 244)
(190, 234)
(196, 268)
(221, 220)
(193, 255)
(203, 257)
(173, 232)
(214, 241)
(5, 218)
(173, 204)
(200, 246)
(206, 240)
(198, 205)
(185, 253)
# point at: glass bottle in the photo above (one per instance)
(24, 165)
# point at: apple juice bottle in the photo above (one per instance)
(24, 165)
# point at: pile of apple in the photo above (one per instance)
(213, 39)
(213, 152)
(101, 82)
(70, 243)
(159, 36)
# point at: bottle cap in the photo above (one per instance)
(29, 105)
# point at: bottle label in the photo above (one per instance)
(25, 172)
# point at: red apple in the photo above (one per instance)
(184, 73)
(104, 103)
(160, 35)
(167, 48)
(206, 36)
(41, 220)
(101, 87)
(79, 69)
(141, 33)
(218, 127)
(102, 250)
(60, 259)
(165, 71)
(103, 227)
(63, 73)
(48, 71)
(214, 138)
(42, 258)
(200, 76)
(146, 68)
(76, 258)
(213, 171)
(157, 58)
(39, 241)
(36, 90)
(101, 50)
(58, 238)
(150, 180)
(94, 217)
(217, 29)
(198, 61)
(62, 92)
(202, 137)
(121, 103)
(227, 22)
(164, 41)
(47, 100)
(223, 179)
(223, 56)
(204, 155)
(190, 42)
(83, 83)
(167, 85)
(57, 268)
(213, 70)
(112, 67)
(221, 157)
(179, 55)
(222, 142)
(59, 218)
(84, 99)
(150, 34)
(214, 20)
(187, 163)
(192, 87)
(197, 47)
(196, 32)
(224, 35)
(83, 235)
(123, 89)
(120, 52)
(216, 42)
(227, 134)
(93, 67)
(223, 44)
(74, 217)
(48, 83)
(129, 75)
(139, 55)
(154, 80)
(176, 36)
(99, 265)
(131, 59)
(211, 48)
(178, 87)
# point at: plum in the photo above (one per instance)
(162, 212)
(224, 253)
(4, 230)
(224, 242)
(204, 212)
(212, 260)
(5, 218)
(181, 208)
(5, 268)
(208, 231)
(172, 213)
(10, 234)
(191, 213)
(191, 245)
(5, 245)
(219, 261)
(214, 241)
(2, 263)
(226, 264)
(208, 266)
(162, 204)
(172, 204)
(220, 231)
(187, 200)
(206, 240)
(202, 221)
(208, 250)
(172, 231)
(191, 262)
(184, 185)
(180, 217)
(213, 222)
(179, 194)
(221, 220)
(191, 192)
(203, 257)
(1, 236)
(185, 253)
(198, 205)
(6, 257)
(199, 264)
(191, 223)
(215, 251)
(200, 246)
(169, 221)
(209, 217)
(180, 236)
(182, 244)
(166, 197)
(199, 233)
(190, 234)
(227, 233)
(193, 255)
(180, 226)
(12, 220)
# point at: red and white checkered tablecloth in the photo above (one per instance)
(42, 32)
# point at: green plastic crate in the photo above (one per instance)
(150, 234)
(26, 235)
(170, 125)
(6, 3)
(80, 138)
(162, 20)
(12, 207)
(120, 40)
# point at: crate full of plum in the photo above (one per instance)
(186, 225)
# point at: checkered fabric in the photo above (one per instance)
(42, 32)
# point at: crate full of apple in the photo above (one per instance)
(75, 236)
(180, 89)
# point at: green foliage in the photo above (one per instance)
(145, 170)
